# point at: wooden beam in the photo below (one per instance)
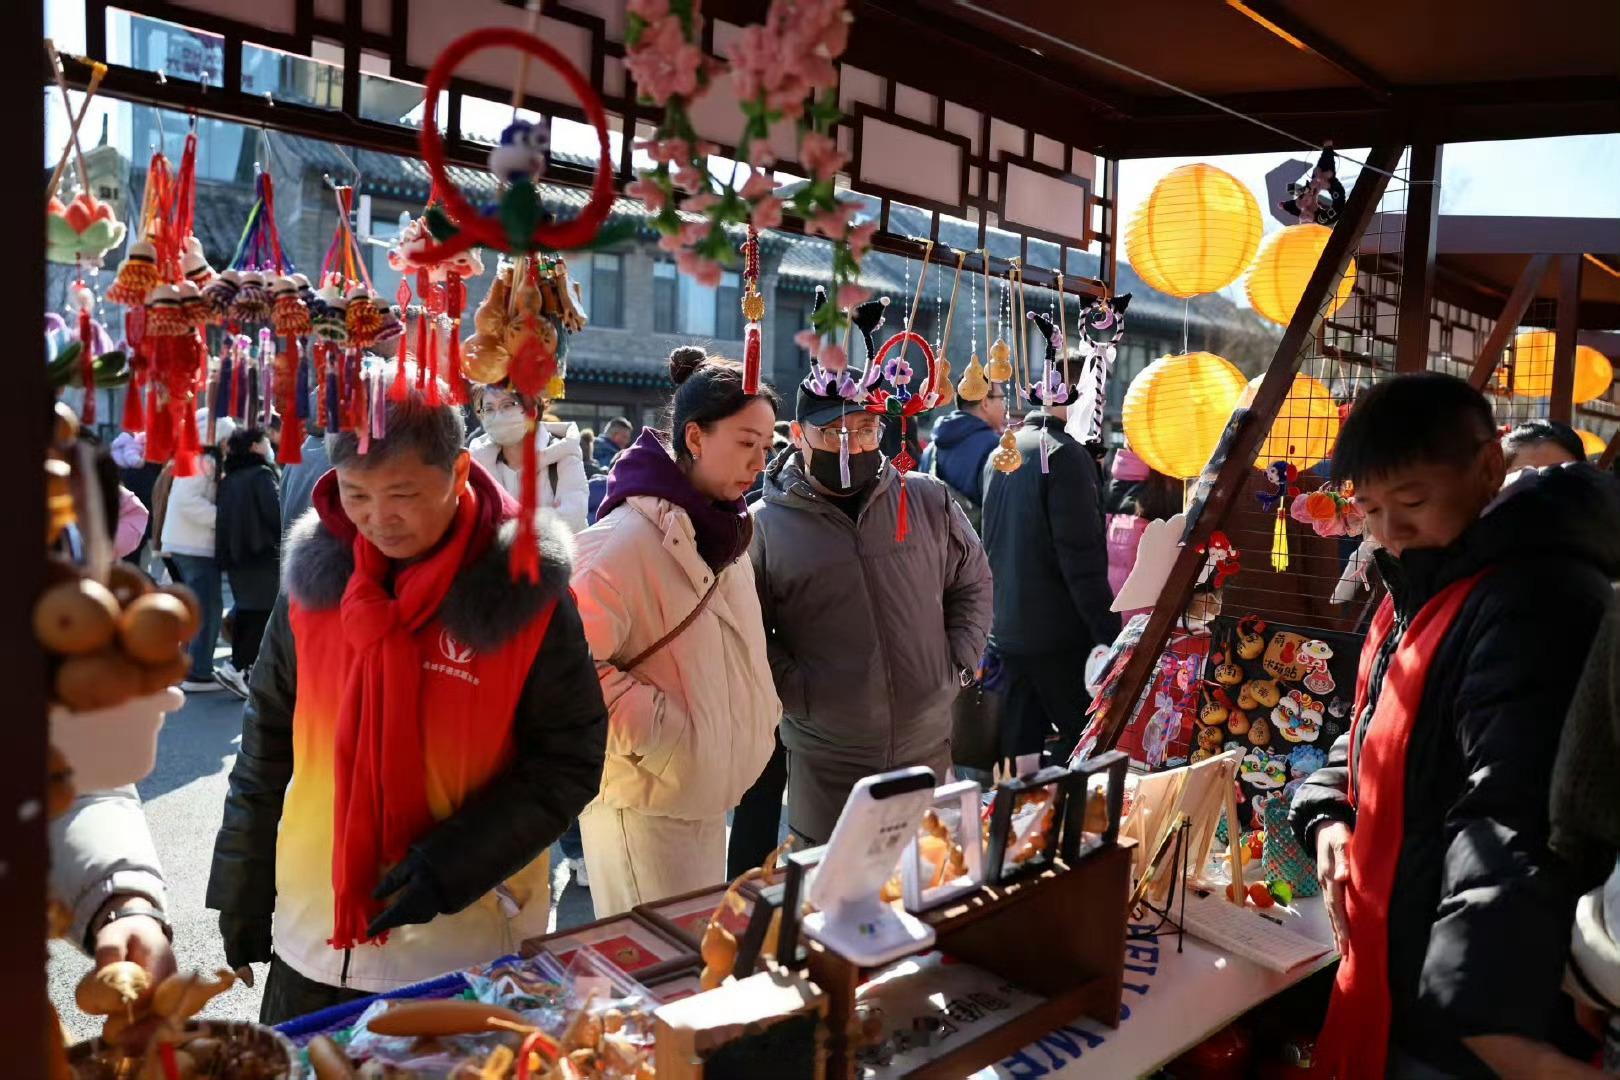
(1606, 462)
(1268, 399)
(1562, 405)
(1518, 302)
(1417, 257)
(1290, 28)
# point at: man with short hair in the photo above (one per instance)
(1430, 822)
(614, 437)
(963, 440)
(420, 729)
(876, 599)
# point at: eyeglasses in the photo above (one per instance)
(826, 438)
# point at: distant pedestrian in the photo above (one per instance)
(247, 545)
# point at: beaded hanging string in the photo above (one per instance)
(753, 310)
(1006, 457)
(950, 316)
(974, 385)
(843, 415)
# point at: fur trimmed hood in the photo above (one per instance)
(484, 606)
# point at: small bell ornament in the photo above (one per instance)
(252, 303)
(288, 312)
(974, 386)
(1006, 459)
(137, 275)
(221, 294)
(1001, 369)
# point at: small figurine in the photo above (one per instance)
(1251, 639)
(521, 153)
(1320, 197)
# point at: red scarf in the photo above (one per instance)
(381, 798)
(1355, 1040)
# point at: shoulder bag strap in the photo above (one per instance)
(675, 633)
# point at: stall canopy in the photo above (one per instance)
(1320, 69)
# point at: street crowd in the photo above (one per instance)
(740, 610)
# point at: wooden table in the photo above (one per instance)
(1174, 1001)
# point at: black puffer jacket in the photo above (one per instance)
(1480, 915)
(559, 734)
(247, 532)
(1043, 532)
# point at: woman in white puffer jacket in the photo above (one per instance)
(507, 418)
(666, 592)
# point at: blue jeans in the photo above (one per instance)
(201, 575)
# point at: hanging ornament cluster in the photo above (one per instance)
(81, 231)
(523, 325)
(160, 282)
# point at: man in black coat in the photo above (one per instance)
(1043, 532)
(1477, 920)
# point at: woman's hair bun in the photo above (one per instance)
(683, 361)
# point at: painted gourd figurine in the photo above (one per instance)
(1251, 640)
(1237, 723)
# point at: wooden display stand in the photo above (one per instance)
(1060, 934)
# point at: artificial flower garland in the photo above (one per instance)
(784, 69)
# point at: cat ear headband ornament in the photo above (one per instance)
(1102, 325)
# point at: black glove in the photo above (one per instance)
(247, 938)
(416, 893)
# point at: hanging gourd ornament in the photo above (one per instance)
(1000, 369)
(1007, 458)
(974, 386)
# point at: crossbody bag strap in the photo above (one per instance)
(677, 631)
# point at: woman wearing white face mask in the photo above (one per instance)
(507, 418)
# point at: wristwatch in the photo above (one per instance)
(135, 905)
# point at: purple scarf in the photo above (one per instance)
(723, 528)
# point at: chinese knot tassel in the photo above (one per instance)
(401, 388)
(525, 558)
(87, 366)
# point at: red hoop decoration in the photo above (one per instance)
(878, 401)
(481, 231)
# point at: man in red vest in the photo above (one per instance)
(421, 728)
(1430, 820)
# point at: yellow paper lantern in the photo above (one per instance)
(1176, 409)
(1306, 428)
(1533, 368)
(1196, 233)
(1284, 267)
(1593, 444)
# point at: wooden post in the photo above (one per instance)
(1518, 302)
(23, 438)
(1417, 257)
(1279, 379)
(1562, 405)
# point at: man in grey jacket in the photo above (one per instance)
(869, 627)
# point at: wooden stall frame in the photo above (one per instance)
(1234, 472)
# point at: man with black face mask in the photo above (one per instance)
(871, 618)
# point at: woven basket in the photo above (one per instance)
(93, 1060)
